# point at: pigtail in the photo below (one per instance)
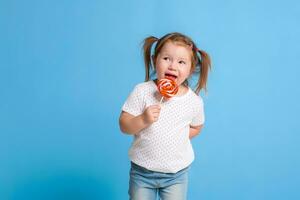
(205, 65)
(148, 42)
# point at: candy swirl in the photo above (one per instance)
(167, 87)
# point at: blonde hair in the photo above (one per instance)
(200, 64)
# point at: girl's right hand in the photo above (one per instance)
(151, 114)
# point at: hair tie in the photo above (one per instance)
(199, 53)
(195, 48)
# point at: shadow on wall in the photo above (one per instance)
(63, 186)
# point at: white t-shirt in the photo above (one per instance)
(164, 146)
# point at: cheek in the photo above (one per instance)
(160, 65)
(190, 70)
(186, 72)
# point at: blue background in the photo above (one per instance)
(66, 68)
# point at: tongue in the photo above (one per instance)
(170, 77)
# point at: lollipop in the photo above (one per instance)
(167, 88)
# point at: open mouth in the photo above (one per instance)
(171, 76)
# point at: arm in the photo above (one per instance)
(134, 124)
(195, 130)
(131, 124)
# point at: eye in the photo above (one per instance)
(182, 62)
(166, 58)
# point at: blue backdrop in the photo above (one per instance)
(66, 68)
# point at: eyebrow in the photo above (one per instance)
(180, 58)
(166, 54)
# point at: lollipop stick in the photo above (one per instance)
(162, 98)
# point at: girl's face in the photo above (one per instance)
(174, 61)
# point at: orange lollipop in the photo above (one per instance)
(167, 88)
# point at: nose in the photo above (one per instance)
(173, 66)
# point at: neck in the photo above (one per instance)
(182, 90)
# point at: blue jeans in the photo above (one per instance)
(147, 185)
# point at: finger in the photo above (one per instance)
(156, 112)
(156, 115)
(156, 106)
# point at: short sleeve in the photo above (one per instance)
(198, 118)
(134, 103)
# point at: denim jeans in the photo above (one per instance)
(148, 185)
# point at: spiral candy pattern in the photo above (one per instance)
(167, 87)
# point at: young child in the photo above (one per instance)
(161, 152)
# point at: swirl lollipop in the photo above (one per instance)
(167, 88)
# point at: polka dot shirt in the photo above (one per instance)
(164, 146)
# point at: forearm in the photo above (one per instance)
(132, 125)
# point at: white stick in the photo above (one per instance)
(161, 100)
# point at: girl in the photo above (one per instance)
(161, 152)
